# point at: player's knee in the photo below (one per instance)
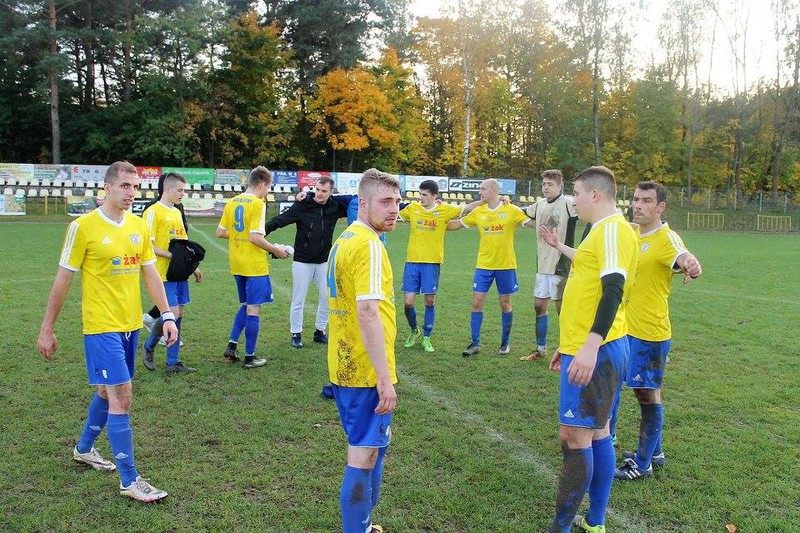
(647, 396)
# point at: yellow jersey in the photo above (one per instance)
(648, 310)
(497, 229)
(164, 224)
(428, 226)
(109, 256)
(358, 270)
(610, 247)
(245, 214)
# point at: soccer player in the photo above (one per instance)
(497, 260)
(593, 348)
(661, 255)
(315, 217)
(428, 222)
(164, 221)
(361, 358)
(112, 248)
(556, 212)
(149, 318)
(242, 223)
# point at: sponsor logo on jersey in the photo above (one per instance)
(645, 246)
(136, 238)
(106, 240)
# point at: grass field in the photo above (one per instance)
(475, 445)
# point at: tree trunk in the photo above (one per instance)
(127, 73)
(55, 124)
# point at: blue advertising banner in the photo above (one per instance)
(284, 177)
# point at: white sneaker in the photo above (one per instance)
(142, 491)
(148, 321)
(93, 459)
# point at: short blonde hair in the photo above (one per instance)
(259, 175)
(374, 178)
(116, 168)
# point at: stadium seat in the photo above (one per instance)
(219, 196)
(11, 181)
(43, 193)
(237, 188)
(2, 181)
(8, 190)
(80, 184)
(58, 183)
(101, 193)
(33, 183)
(19, 192)
(68, 183)
(291, 198)
(217, 187)
(33, 193)
(270, 197)
(207, 196)
(627, 203)
(67, 192)
(150, 195)
(195, 195)
(46, 182)
(88, 192)
(197, 187)
(460, 196)
(227, 188)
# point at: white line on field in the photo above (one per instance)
(518, 450)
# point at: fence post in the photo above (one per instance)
(760, 200)
(735, 201)
(785, 202)
(709, 199)
(681, 196)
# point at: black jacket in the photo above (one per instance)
(186, 257)
(315, 225)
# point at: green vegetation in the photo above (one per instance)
(475, 446)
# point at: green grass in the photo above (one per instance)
(475, 441)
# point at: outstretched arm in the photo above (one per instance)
(690, 267)
(454, 225)
(551, 238)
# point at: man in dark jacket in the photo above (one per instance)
(315, 216)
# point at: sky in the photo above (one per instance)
(761, 45)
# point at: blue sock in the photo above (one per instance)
(602, 478)
(649, 433)
(96, 417)
(574, 480)
(506, 320)
(355, 499)
(430, 317)
(475, 322)
(251, 334)
(658, 450)
(174, 351)
(120, 436)
(377, 475)
(239, 322)
(612, 424)
(411, 316)
(542, 322)
(155, 335)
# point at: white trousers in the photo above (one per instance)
(302, 276)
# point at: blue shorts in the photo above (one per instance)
(254, 290)
(590, 406)
(421, 278)
(646, 363)
(506, 280)
(177, 292)
(110, 357)
(363, 427)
